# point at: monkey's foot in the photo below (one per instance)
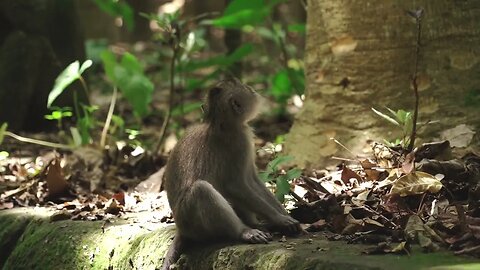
(287, 225)
(255, 236)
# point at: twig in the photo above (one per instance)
(298, 198)
(109, 118)
(39, 142)
(418, 19)
(163, 130)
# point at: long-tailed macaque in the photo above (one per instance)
(211, 178)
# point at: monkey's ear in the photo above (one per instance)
(214, 93)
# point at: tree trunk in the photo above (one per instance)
(38, 39)
(360, 55)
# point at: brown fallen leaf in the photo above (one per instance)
(416, 183)
(56, 182)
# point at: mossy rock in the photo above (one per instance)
(29, 240)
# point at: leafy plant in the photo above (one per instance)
(70, 74)
(256, 16)
(58, 114)
(129, 77)
(401, 119)
(280, 178)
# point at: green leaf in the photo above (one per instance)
(279, 160)
(293, 173)
(297, 28)
(240, 13)
(221, 61)
(71, 73)
(265, 176)
(118, 9)
(68, 75)
(241, 18)
(3, 128)
(282, 188)
(386, 117)
(239, 5)
(281, 86)
(88, 63)
(77, 138)
(129, 77)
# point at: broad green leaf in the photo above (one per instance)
(282, 188)
(67, 77)
(130, 62)
(265, 176)
(294, 173)
(279, 160)
(118, 9)
(3, 128)
(77, 138)
(297, 28)
(241, 18)
(221, 61)
(129, 77)
(408, 124)
(402, 116)
(109, 63)
(239, 5)
(281, 86)
(240, 13)
(88, 63)
(386, 117)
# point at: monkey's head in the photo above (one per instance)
(231, 101)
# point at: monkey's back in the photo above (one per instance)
(207, 154)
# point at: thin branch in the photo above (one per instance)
(418, 19)
(39, 142)
(163, 130)
(103, 139)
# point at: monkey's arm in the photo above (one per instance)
(242, 193)
(257, 184)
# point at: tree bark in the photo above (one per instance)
(360, 55)
(38, 39)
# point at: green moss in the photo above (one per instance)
(28, 240)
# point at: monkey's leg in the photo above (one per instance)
(206, 214)
(287, 224)
(248, 217)
(174, 251)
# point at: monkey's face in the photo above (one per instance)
(233, 101)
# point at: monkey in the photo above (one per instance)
(211, 178)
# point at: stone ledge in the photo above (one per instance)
(28, 240)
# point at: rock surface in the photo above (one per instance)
(29, 240)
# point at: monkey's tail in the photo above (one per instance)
(174, 252)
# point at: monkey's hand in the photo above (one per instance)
(286, 224)
(255, 236)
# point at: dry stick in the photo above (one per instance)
(163, 130)
(109, 118)
(39, 142)
(418, 20)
